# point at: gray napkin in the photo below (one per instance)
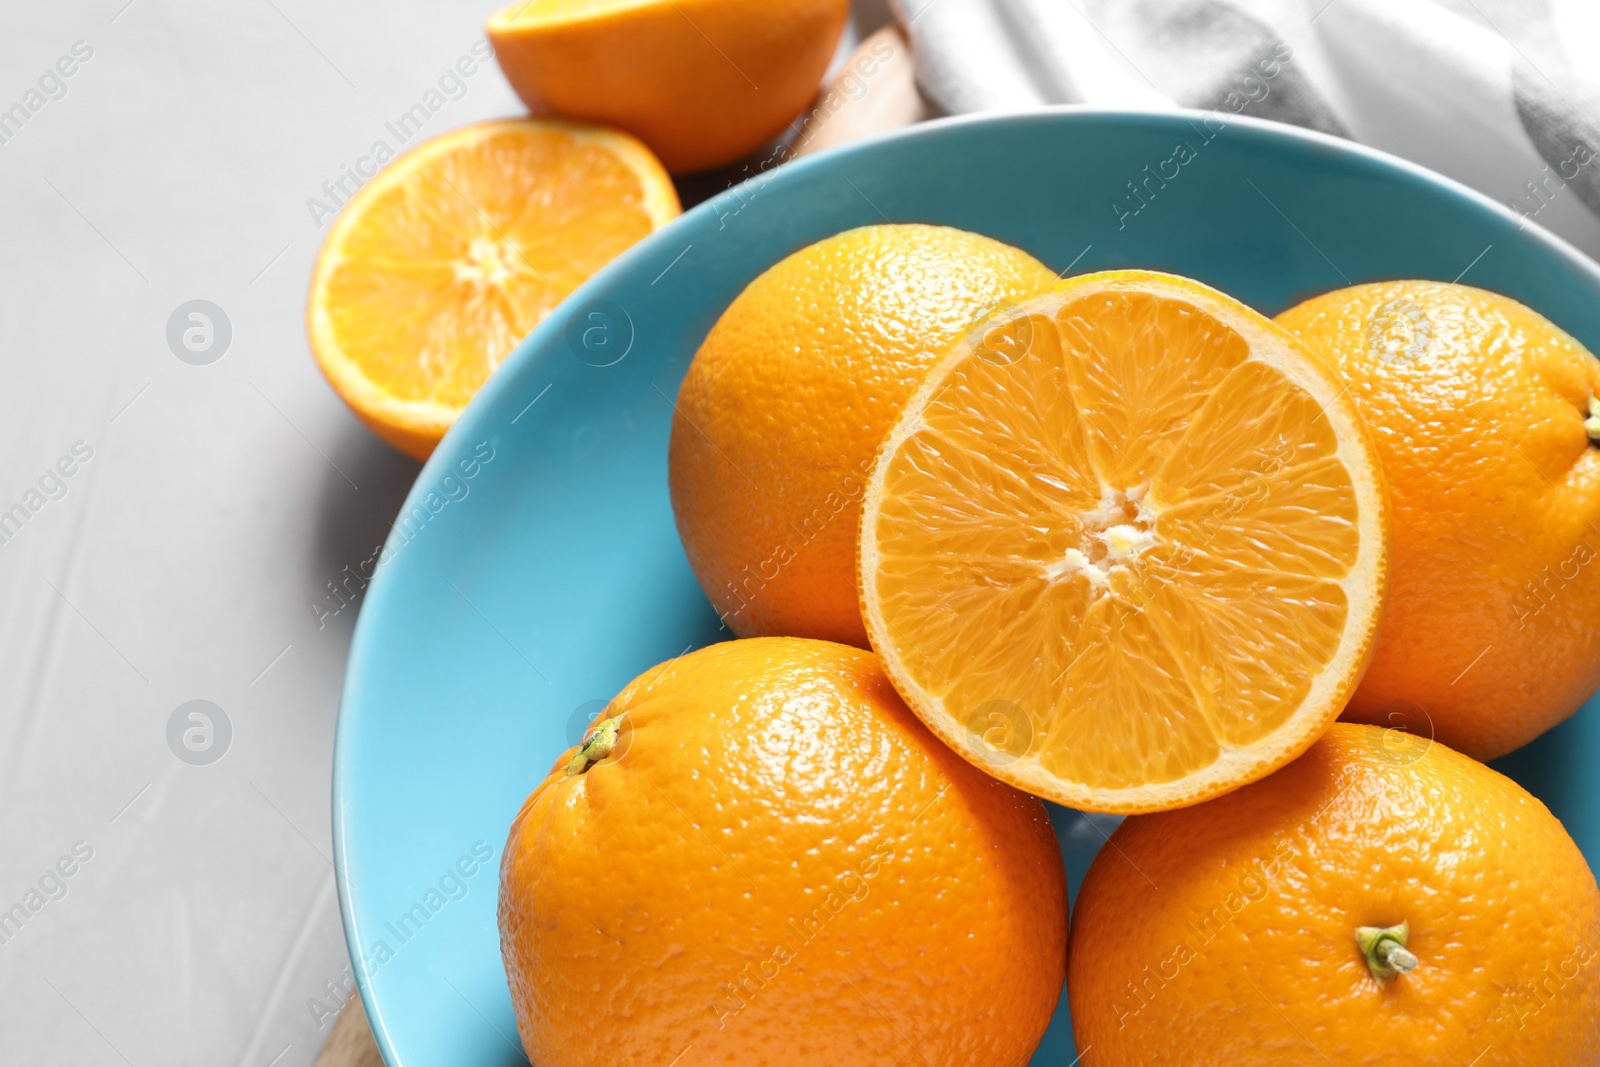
(1498, 94)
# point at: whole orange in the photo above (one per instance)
(702, 82)
(1381, 900)
(1491, 634)
(786, 402)
(759, 856)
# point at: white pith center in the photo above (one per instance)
(488, 262)
(1116, 533)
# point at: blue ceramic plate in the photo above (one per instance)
(536, 569)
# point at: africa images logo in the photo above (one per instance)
(52, 85)
(403, 128)
(51, 486)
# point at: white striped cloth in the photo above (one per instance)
(1502, 95)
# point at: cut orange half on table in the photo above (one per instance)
(446, 259)
(704, 83)
(1126, 546)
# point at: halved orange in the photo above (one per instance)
(702, 82)
(1126, 546)
(446, 259)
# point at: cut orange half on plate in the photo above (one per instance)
(1126, 546)
(446, 259)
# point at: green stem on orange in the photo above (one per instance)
(596, 747)
(1384, 948)
(1592, 423)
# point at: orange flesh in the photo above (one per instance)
(540, 10)
(455, 264)
(1114, 528)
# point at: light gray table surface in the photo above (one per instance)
(179, 561)
(214, 496)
